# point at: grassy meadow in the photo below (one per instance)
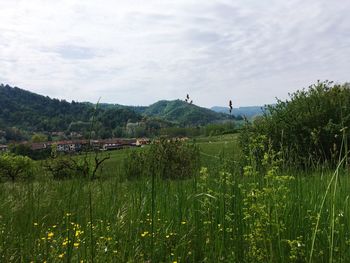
(218, 215)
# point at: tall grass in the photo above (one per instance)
(219, 216)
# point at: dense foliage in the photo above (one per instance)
(168, 159)
(15, 167)
(309, 129)
(24, 109)
(26, 150)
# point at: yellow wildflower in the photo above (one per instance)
(35, 224)
(50, 235)
(78, 233)
(183, 223)
(144, 234)
(61, 255)
(76, 244)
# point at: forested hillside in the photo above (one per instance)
(27, 110)
(31, 112)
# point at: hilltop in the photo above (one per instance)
(184, 113)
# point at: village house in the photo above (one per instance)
(95, 144)
(142, 141)
(3, 148)
(71, 146)
(57, 133)
(39, 146)
(113, 144)
(75, 135)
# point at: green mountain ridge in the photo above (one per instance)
(185, 113)
(27, 110)
(36, 113)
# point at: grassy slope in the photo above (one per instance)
(203, 219)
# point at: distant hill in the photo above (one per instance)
(184, 113)
(137, 109)
(249, 111)
(36, 113)
(24, 109)
(174, 111)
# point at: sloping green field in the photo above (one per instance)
(218, 216)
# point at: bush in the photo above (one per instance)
(15, 167)
(168, 159)
(64, 167)
(309, 129)
(25, 150)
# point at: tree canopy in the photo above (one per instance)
(311, 127)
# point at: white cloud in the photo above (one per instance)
(136, 52)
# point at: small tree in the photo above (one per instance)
(168, 159)
(15, 167)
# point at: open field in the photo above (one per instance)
(210, 150)
(216, 216)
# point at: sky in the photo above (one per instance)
(138, 52)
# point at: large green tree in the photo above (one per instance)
(310, 128)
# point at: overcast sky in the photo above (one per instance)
(138, 52)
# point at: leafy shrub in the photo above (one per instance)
(25, 150)
(264, 205)
(64, 167)
(15, 167)
(169, 159)
(309, 129)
